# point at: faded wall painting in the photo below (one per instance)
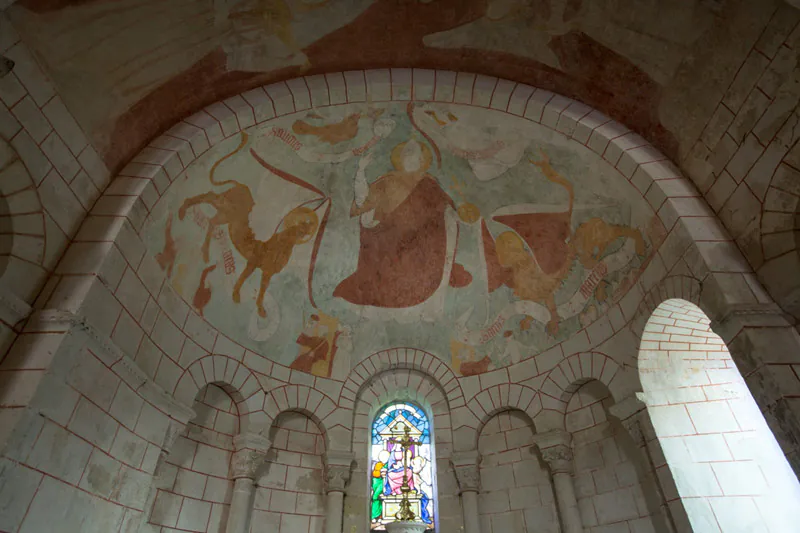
(328, 235)
(129, 69)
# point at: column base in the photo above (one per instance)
(406, 527)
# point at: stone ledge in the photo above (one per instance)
(52, 320)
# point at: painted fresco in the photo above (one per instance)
(129, 69)
(328, 235)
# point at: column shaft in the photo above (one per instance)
(338, 465)
(567, 503)
(251, 452)
(469, 505)
(557, 453)
(241, 506)
(334, 508)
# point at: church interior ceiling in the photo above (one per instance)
(171, 58)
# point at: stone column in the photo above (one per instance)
(468, 475)
(251, 452)
(337, 475)
(557, 453)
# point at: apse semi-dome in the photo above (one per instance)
(320, 237)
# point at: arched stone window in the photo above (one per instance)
(729, 472)
(389, 469)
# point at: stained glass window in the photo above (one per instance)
(388, 470)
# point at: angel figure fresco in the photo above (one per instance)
(261, 33)
(487, 144)
(533, 258)
(321, 343)
(315, 132)
(265, 35)
(520, 27)
(535, 276)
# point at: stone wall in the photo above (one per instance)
(111, 356)
(608, 468)
(85, 448)
(516, 492)
(194, 486)
(50, 177)
(728, 470)
(746, 161)
(289, 494)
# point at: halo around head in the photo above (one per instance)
(397, 156)
(302, 216)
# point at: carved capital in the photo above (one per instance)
(251, 452)
(468, 477)
(338, 465)
(556, 450)
(553, 437)
(336, 478)
(6, 65)
(634, 429)
(558, 458)
(174, 430)
(629, 406)
(739, 316)
(245, 463)
(12, 308)
(252, 441)
(632, 414)
(468, 474)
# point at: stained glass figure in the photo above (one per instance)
(386, 477)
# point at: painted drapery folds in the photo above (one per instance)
(389, 468)
(468, 232)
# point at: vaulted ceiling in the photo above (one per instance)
(129, 69)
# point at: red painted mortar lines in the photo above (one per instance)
(310, 99)
(473, 82)
(491, 97)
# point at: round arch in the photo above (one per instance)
(396, 358)
(25, 260)
(709, 428)
(695, 244)
(234, 378)
(403, 384)
(303, 399)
